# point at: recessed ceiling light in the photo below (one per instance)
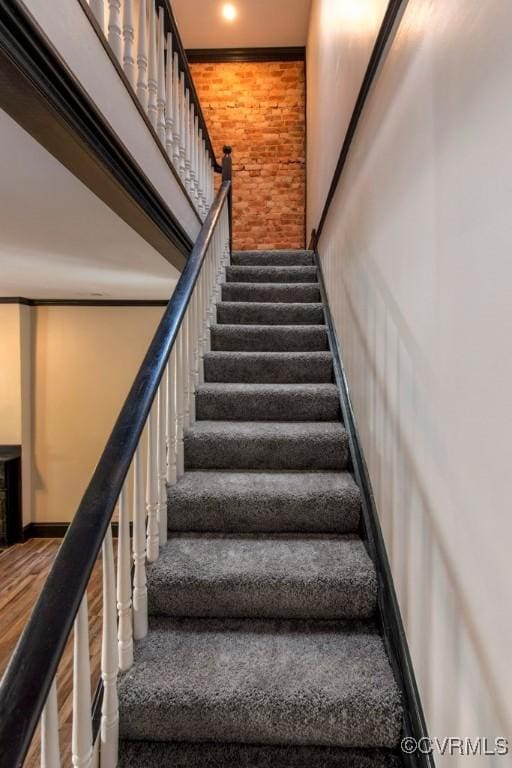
(229, 12)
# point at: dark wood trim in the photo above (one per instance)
(389, 25)
(389, 610)
(41, 93)
(83, 302)
(34, 663)
(226, 55)
(11, 458)
(45, 531)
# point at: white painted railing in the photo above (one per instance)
(157, 463)
(147, 51)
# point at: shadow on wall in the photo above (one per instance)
(404, 448)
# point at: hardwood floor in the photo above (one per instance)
(23, 570)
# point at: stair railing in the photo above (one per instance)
(148, 438)
(145, 44)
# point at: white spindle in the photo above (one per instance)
(152, 69)
(203, 305)
(160, 101)
(142, 56)
(169, 100)
(140, 592)
(124, 586)
(200, 172)
(186, 368)
(193, 135)
(98, 10)
(50, 749)
(161, 461)
(196, 337)
(180, 402)
(114, 28)
(183, 123)
(81, 740)
(188, 137)
(172, 426)
(128, 41)
(109, 729)
(153, 533)
(176, 109)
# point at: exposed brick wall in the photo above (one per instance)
(259, 109)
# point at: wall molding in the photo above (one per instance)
(392, 628)
(83, 302)
(234, 55)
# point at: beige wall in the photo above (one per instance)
(10, 374)
(84, 362)
(416, 253)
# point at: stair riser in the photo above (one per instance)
(273, 452)
(225, 406)
(262, 274)
(272, 258)
(301, 369)
(266, 292)
(269, 314)
(246, 338)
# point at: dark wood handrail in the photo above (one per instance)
(33, 665)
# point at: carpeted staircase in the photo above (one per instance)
(263, 650)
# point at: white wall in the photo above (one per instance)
(340, 40)
(417, 258)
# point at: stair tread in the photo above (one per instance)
(261, 681)
(250, 575)
(247, 501)
(271, 274)
(273, 338)
(270, 312)
(265, 292)
(267, 367)
(279, 257)
(266, 445)
(182, 754)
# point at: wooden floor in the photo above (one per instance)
(23, 570)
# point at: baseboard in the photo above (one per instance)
(45, 530)
(389, 610)
(55, 530)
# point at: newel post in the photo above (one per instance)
(227, 175)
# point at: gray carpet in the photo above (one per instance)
(262, 650)
(268, 402)
(266, 502)
(261, 338)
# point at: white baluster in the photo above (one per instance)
(192, 335)
(81, 740)
(203, 303)
(183, 123)
(160, 101)
(193, 180)
(142, 57)
(128, 40)
(140, 592)
(172, 426)
(124, 586)
(153, 533)
(169, 100)
(180, 402)
(98, 10)
(196, 338)
(50, 749)
(114, 27)
(187, 141)
(152, 69)
(200, 173)
(161, 461)
(176, 109)
(109, 729)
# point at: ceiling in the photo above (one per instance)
(59, 241)
(259, 23)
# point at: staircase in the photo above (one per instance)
(262, 648)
